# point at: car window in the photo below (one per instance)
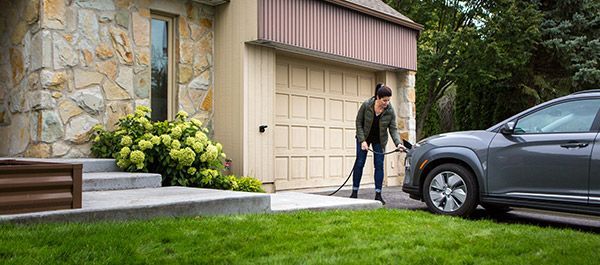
(572, 116)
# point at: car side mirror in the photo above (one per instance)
(508, 128)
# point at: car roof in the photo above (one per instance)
(589, 91)
(578, 94)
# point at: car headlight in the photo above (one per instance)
(419, 144)
(407, 173)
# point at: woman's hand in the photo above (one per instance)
(364, 146)
(401, 148)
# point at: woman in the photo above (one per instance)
(375, 117)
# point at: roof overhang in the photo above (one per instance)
(211, 2)
(375, 13)
(323, 55)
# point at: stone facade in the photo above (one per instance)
(407, 109)
(67, 65)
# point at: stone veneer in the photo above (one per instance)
(66, 65)
(407, 110)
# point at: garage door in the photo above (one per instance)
(315, 110)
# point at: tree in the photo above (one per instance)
(496, 82)
(471, 44)
(568, 57)
(564, 60)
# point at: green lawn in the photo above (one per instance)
(337, 237)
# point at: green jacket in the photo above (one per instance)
(364, 120)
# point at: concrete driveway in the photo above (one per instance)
(396, 199)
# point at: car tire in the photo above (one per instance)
(495, 208)
(450, 189)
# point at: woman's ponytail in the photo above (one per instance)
(382, 91)
(377, 87)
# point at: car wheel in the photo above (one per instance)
(495, 208)
(450, 189)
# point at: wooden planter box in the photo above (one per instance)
(33, 186)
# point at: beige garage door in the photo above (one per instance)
(315, 109)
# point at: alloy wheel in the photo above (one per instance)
(448, 191)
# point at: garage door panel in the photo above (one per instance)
(281, 168)
(282, 140)
(350, 110)
(336, 110)
(299, 77)
(317, 80)
(282, 75)
(282, 106)
(317, 138)
(299, 107)
(316, 167)
(336, 83)
(335, 166)
(299, 135)
(298, 168)
(317, 108)
(351, 85)
(367, 87)
(336, 138)
(350, 138)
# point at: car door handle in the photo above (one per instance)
(574, 145)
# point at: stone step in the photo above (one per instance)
(100, 181)
(98, 164)
(89, 164)
(151, 203)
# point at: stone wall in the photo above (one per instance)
(18, 21)
(407, 110)
(67, 65)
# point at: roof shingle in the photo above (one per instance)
(380, 6)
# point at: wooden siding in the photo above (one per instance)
(328, 28)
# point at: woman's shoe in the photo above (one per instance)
(354, 194)
(379, 198)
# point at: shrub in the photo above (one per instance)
(249, 184)
(179, 150)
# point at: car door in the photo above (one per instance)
(594, 193)
(547, 157)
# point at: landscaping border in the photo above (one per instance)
(33, 186)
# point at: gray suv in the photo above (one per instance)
(546, 157)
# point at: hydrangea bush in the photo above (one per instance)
(180, 150)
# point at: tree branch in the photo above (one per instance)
(443, 90)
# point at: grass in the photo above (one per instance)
(340, 237)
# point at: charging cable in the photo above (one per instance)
(352, 171)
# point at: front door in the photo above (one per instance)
(548, 156)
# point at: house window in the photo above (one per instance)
(163, 67)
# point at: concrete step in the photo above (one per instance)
(100, 181)
(94, 164)
(151, 203)
(290, 201)
(98, 164)
(89, 164)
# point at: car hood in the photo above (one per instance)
(474, 140)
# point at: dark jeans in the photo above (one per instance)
(361, 158)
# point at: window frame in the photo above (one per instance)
(171, 63)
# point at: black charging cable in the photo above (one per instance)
(352, 171)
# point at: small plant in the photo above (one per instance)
(179, 150)
(249, 184)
